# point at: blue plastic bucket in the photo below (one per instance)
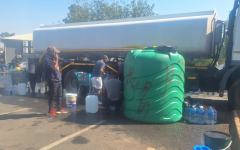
(201, 147)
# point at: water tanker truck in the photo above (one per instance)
(196, 35)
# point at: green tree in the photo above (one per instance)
(95, 10)
(5, 34)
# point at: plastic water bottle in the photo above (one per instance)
(198, 104)
(215, 120)
(106, 78)
(186, 110)
(211, 116)
(201, 115)
(193, 114)
(206, 116)
(186, 113)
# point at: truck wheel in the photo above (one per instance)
(70, 81)
(82, 94)
(234, 95)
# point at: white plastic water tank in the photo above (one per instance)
(91, 104)
(21, 88)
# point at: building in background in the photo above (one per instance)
(2, 56)
(18, 47)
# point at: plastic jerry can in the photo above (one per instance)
(21, 88)
(91, 104)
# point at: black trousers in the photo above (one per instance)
(108, 102)
(55, 94)
(33, 80)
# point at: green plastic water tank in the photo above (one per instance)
(154, 85)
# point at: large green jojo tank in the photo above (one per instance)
(154, 85)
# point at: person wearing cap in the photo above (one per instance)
(97, 73)
(53, 78)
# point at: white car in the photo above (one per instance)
(23, 65)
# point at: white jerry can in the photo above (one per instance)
(91, 104)
(22, 88)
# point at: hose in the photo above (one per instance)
(40, 59)
(213, 63)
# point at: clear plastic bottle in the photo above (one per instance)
(193, 114)
(215, 120)
(186, 113)
(201, 115)
(106, 78)
(198, 104)
(206, 116)
(211, 116)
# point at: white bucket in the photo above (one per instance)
(71, 99)
(21, 88)
(91, 104)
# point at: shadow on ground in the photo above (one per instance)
(81, 117)
(19, 116)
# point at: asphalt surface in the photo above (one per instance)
(24, 125)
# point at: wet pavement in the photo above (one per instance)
(24, 125)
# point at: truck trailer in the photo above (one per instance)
(198, 35)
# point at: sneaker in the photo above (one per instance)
(52, 113)
(62, 111)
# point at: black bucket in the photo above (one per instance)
(217, 140)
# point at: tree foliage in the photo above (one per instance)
(95, 10)
(6, 34)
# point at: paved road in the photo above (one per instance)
(24, 125)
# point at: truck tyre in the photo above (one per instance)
(234, 95)
(82, 94)
(70, 82)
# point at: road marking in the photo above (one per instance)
(15, 111)
(71, 136)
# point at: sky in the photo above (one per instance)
(23, 16)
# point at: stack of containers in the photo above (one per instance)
(197, 113)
